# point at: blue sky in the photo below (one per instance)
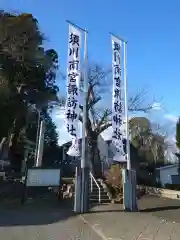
(151, 28)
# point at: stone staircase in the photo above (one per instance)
(96, 189)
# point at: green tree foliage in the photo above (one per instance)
(27, 77)
(178, 134)
(150, 143)
(50, 136)
(178, 142)
(114, 181)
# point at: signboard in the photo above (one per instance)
(38, 177)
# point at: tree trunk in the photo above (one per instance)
(13, 156)
(94, 155)
(178, 156)
(3, 141)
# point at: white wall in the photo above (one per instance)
(103, 148)
(165, 174)
(107, 151)
(170, 156)
(104, 151)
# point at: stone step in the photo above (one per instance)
(94, 181)
(102, 201)
(94, 195)
(97, 199)
(97, 195)
(95, 187)
(94, 184)
(97, 192)
(93, 204)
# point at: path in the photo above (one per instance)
(44, 225)
(70, 229)
(158, 219)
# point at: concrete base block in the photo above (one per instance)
(85, 190)
(77, 196)
(81, 198)
(129, 190)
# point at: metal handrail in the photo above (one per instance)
(93, 179)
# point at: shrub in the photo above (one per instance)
(172, 186)
(114, 181)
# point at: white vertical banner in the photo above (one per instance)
(73, 93)
(117, 100)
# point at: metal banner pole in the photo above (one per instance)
(84, 190)
(84, 165)
(130, 174)
(126, 108)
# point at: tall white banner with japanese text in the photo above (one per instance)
(73, 79)
(117, 100)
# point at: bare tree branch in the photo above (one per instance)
(104, 127)
(93, 116)
(103, 120)
(136, 102)
(99, 111)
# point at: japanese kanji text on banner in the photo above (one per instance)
(73, 78)
(117, 100)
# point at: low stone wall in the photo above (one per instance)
(161, 192)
